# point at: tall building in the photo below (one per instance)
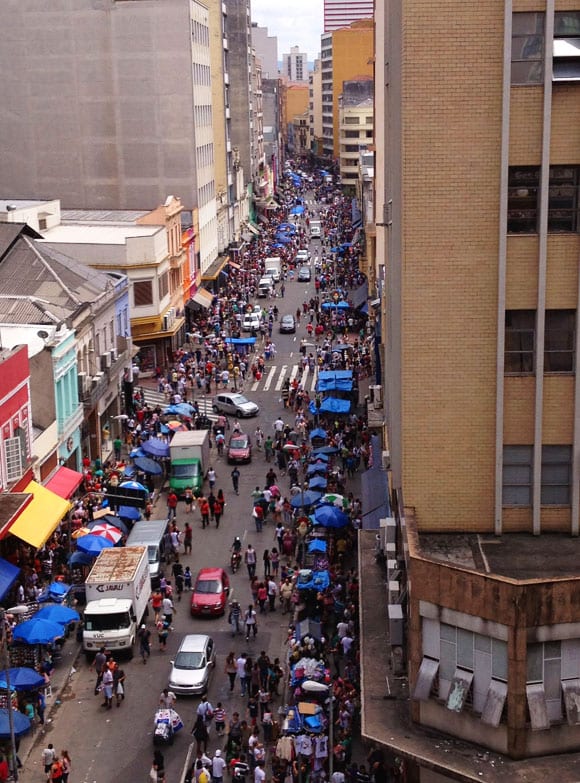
(341, 13)
(315, 106)
(478, 240)
(355, 121)
(346, 54)
(295, 65)
(128, 117)
(266, 47)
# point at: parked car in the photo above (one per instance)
(251, 321)
(304, 274)
(240, 448)
(287, 324)
(234, 404)
(193, 665)
(302, 257)
(210, 592)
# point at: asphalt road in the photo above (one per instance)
(116, 746)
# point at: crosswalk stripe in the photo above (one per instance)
(305, 376)
(154, 398)
(314, 379)
(281, 377)
(293, 372)
(269, 378)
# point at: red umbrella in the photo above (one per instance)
(290, 447)
(110, 532)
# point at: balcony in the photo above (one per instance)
(175, 261)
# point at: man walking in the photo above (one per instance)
(235, 474)
(250, 560)
(171, 505)
(242, 676)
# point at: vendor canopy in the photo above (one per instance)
(330, 405)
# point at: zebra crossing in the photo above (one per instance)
(154, 398)
(274, 377)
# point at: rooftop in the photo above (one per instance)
(385, 714)
(91, 234)
(102, 215)
(513, 556)
(5, 204)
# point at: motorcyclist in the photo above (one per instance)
(237, 545)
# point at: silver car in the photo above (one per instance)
(193, 665)
(234, 404)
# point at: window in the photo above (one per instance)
(520, 337)
(14, 458)
(527, 48)
(163, 285)
(559, 345)
(351, 134)
(142, 293)
(544, 669)
(517, 476)
(566, 52)
(523, 199)
(351, 120)
(556, 475)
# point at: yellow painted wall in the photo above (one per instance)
(352, 56)
(297, 100)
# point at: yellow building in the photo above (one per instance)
(477, 241)
(347, 54)
(296, 103)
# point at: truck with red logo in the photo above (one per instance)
(118, 589)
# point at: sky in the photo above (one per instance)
(294, 22)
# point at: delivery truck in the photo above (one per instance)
(153, 534)
(273, 268)
(118, 589)
(189, 453)
(315, 229)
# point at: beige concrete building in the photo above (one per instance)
(110, 106)
(355, 128)
(477, 234)
(315, 105)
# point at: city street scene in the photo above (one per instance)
(290, 454)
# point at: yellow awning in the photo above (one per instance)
(41, 516)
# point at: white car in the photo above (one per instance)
(251, 321)
(302, 256)
(193, 665)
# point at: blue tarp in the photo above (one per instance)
(334, 385)
(336, 306)
(240, 340)
(335, 374)
(320, 581)
(331, 405)
(8, 574)
(297, 211)
(318, 433)
(318, 482)
(318, 545)
(375, 489)
(320, 467)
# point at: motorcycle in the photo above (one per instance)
(235, 561)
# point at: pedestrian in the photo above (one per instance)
(187, 578)
(234, 617)
(188, 498)
(218, 765)
(231, 669)
(235, 474)
(55, 775)
(204, 509)
(241, 667)
(108, 688)
(99, 666)
(250, 560)
(171, 505)
(144, 642)
(262, 597)
(167, 610)
(211, 477)
(258, 514)
(267, 563)
(118, 685)
(200, 733)
(156, 604)
(48, 756)
(205, 709)
(250, 622)
(162, 634)
(187, 538)
(235, 730)
(217, 512)
(272, 588)
(274, 561)
(167, 699)
(220, 719)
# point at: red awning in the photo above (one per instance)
(65, 482)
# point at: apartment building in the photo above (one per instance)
(341, 13)
(355, 122)
(295, 65)
(477, 241)
(315, 106)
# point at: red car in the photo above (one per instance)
(240, 448)
(210, 592)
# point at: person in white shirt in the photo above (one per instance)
(167, 699)
(167, 609)
(337, 777)
(259, 774)
(218, 765)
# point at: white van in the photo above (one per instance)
(153, 534)
(265, 287)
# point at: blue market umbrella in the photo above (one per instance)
(319, 467)
(156, 447)
(318, 482)
(134, 485)
(80, 559)
(56, 591)
(22, 678)
(180, 409)
(148, 465)
(330, 516)
(57, 614)
(129, 470)
(37, 631)
(92, 545)
(317, 546)
(319, 458)
(128, 512)
(318, 433)
(303, 499)
(20, 722)
(326, 450)
(138, 452)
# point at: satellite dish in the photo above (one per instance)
(42, 334)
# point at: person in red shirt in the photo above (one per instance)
(171, 505)
(4, 770)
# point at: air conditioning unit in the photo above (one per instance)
(113, 353)
(166, 326)
(377, 396)
(96, 379)
(105, 360)
(386, 460)
(390, 530)
(394, 591)
(395, 612)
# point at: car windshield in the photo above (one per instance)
(189, 660)
(238, 443)
(239, 399)
(107, 622)
(153, 554)
(186, 471)
(208, 586)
